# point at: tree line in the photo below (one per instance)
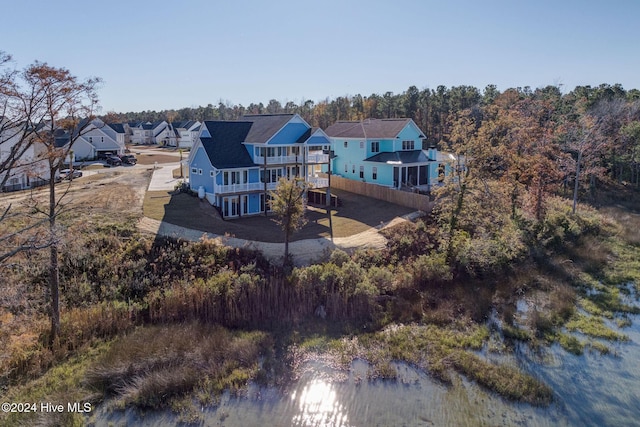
(435, 111)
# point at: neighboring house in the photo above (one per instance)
(188, 132)
(168, 136)
(92, 140)
(31, 168)
(148, 133)
(122, 136)
(234, 164)
(386, 152)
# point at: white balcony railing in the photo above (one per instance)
(281, 160)
(240, 188)
(318, 182)
(278, 160)
(317, 158)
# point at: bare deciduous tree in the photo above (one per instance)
(40, 103)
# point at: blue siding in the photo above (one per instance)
(289, 134)
(254, 203)
(318, 140)
(433, 173)
(254, 175)
(385, 173)
(201, 162)
(250, 150)
(385, 145)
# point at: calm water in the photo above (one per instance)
(590, 390)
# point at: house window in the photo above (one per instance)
(200, 171)
(374, 174)
(233, 177)
(408, 145)
(375, 147)
(361, 144)
(211, 174)
(353, 168)
(346, 143)
(362, 172)
(272, 175)
(194, 171)
(346, 168)
(265, 202)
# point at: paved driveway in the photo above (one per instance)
(162, 178)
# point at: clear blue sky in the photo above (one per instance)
(155, 55)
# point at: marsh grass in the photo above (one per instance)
(569, 342)
(594, 327)
(61, 384)
(440, 351)
(152, 366)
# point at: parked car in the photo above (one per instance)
(114, 161)
(69, 174)
(104, 155)
(129, 159)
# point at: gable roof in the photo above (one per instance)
(117, 127)
(265, 126)
(224, 148)
(369, 128)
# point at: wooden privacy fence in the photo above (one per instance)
(402, 198)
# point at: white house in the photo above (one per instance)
(92, 140)
(30, 168)
(188, 132)
(122, 136)
(149, 133)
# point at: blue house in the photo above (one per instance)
(234, 164)
(386, 152)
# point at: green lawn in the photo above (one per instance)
(357, 214)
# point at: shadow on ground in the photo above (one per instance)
(357, 214)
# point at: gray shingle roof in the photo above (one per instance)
(265, 126)
(369, 128)
(118, 127)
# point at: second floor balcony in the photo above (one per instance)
(312, 158)
(242, 188)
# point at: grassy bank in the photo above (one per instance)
(140, 315)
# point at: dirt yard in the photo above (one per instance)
(356, 215)
(122, 193)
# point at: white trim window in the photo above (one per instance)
(375, 146)
(408, 145)
(374, 173)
